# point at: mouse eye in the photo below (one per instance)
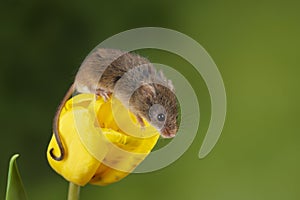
(161, 117)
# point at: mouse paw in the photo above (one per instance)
(102, 93)
(140, 121)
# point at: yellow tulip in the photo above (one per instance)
(103, 142)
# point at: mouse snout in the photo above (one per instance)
(168, 133)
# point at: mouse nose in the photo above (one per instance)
(167, 133)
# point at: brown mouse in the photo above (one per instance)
(134, 81)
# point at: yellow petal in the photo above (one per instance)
(120, 163)
(78, 166)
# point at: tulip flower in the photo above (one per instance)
(103, 141)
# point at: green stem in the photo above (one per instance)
(74, 191)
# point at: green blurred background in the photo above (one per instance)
(255, 44)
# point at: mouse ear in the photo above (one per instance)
(171, 86)
(148, 90)
(168, 83)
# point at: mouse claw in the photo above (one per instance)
(103, 94)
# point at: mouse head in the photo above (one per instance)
(158, 105)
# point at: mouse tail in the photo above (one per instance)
(56, 125)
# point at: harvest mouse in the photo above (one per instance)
(134, 81)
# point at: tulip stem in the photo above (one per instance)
(74, 191)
